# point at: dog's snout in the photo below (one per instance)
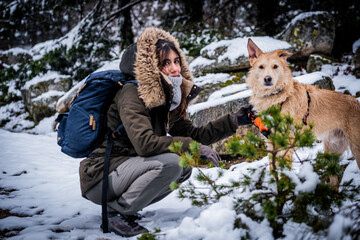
(267, 79)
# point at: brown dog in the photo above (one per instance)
(336, 117)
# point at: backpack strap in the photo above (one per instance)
(120, 131)
(105, 184)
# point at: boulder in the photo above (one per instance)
(41, 93)
(325, 83)
(231, 55)
(356, 58)
(14, 56)
(204, 116)
(319, 79)
(44, 105)
(316, 61)
(310, 32)
(63, 104)
(213, 82)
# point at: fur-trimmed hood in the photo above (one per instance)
(148, 74)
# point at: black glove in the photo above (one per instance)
(242, 116)
(207, 153)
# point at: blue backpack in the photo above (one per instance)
(84, 128)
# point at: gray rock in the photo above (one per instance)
(64, 103)
(215, 57)
(42, 108)
(356, 62)
(14, 56)
(210, 114)
(208, 89)
(315, 62)
(325, 83)
(41, 94)
(310, 32)
(205, 116)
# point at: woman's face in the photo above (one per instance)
(170, 65)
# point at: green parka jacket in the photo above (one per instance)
(143, 109)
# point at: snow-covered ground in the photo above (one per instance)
(43, 194)
(40, 187)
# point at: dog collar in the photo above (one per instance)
(277, 91)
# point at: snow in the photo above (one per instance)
(261, 231)
(42, 184)
(201, 61)
(342, 81)
(356, 45)
(50, 75)
(47, 196)
(212, 78)
(238, 47)
(310, 179)
(192, 109)
(338, 227)
(302, 16)
(15, 116)
(48, 95)
(311, 77)
(231, 89)
(68, 41)
(15, 51)
(12, 89)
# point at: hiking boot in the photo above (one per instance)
(136, 216)
(125, 225)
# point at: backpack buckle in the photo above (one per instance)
(116, 134)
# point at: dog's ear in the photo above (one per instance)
(253, 50)
(284, 54)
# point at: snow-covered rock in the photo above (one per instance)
(231, 55)
(41, 93)
(356, 58)
(310, 32)
(14, 55)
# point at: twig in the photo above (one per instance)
(117, 13)
(94, 10)
(210, 181)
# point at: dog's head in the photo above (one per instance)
(270, 72)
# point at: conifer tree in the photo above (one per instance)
(274, 191)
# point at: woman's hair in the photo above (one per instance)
(163, 48)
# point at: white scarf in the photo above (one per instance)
(176, 82)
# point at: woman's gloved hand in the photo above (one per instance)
(241, 117)
(207, 153)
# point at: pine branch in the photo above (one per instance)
(210, 182)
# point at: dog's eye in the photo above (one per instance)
(261, 66)
(275, 66)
